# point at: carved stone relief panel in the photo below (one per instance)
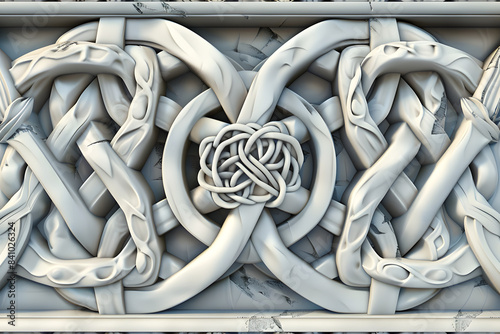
(351, 166)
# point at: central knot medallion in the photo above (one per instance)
(250, 163)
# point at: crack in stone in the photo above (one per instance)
(464, 319)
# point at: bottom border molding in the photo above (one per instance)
(311, 321)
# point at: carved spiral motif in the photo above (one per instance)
(355, 169)
(249, 163)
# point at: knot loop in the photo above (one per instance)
(250, 163)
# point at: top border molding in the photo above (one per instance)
(256, 14)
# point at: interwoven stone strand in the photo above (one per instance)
(248, 164)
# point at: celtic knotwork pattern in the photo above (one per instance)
(245, 159)
(352, 167)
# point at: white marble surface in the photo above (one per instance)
(260, 179)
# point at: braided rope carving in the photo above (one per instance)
(357, 166)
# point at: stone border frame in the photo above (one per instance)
(198, 14)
